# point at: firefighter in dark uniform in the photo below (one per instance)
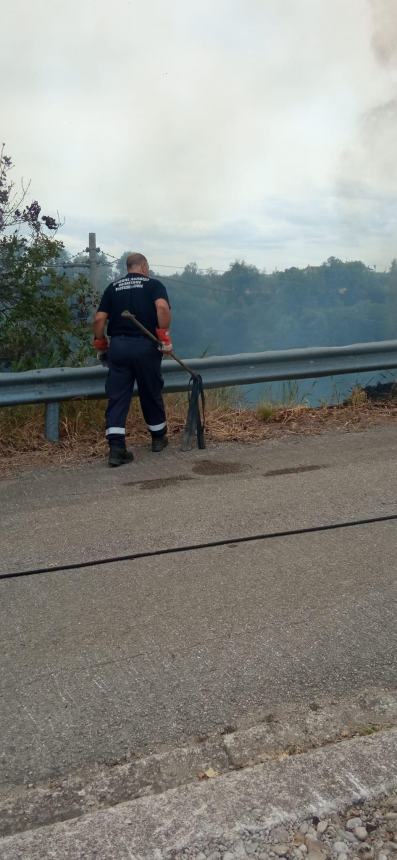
(131, 356)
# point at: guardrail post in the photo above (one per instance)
(52, 422)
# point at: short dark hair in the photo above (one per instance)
(135, 259)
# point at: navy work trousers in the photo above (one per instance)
(134, 359)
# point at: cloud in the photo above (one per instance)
(192, 128)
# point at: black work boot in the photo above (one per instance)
(158, 443)
(118, 456)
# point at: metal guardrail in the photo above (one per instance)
(52, 386)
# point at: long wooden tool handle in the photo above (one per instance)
(155, 340)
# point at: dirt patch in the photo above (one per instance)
(217, 467)
(159, 483)
(293, 470)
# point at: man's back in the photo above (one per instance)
(136, 293)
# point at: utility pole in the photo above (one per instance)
(92, 257)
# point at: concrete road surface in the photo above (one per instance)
(55, 515)
(102, 662)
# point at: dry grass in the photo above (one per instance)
(23, 446)
(358, 397)
(266, 411)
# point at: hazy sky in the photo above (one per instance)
(208, 130)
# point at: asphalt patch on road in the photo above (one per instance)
(217, 467)
(296, 470)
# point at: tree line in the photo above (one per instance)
(46, 302)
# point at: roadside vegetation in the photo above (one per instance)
(23, 444)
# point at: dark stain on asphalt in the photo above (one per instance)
(160, 483)
(296, 470)
(217, 467)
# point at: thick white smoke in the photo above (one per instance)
(367, 181)
(384, 41)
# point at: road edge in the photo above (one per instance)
(236, 806)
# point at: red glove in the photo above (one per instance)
(101, 344)
(164, 336)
